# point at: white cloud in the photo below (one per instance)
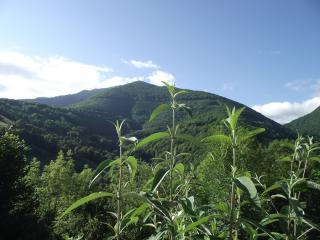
(284, 112)
(23, 76)
(147, 64)
(117, 80)
(158, 76)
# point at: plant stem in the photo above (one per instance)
(232, 198)
(173, 135)
(119, 192)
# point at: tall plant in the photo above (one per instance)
(291, 215)
(244, 183)
(180, 217)
(174, 106)
(122, 220)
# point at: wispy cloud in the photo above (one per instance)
(158, 76)
(273, 52)
(227, 86)
(23, 76)
(284, 112)
(311, 86)
(143, 64)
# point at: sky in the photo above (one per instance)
(264, 54)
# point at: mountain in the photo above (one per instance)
(308, 124)
(82, 121)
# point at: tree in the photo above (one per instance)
(16, 206)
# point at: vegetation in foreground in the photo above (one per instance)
(240, 190)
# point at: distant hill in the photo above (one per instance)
(308, 124)
(81, 121)
(64, 101)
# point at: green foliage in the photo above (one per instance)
(308, 124)
(17, 204)
(227, 186)
(85, 200)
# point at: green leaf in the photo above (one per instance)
(180, 92)
(297, 208)
(271, 188)
(253, 133)
(246, 185)
(219, 138)
(285, 159)
(185, 108)
(133, 165)
(188, 205)
(313, 185)
(183, 155)
(317, 159)
(100, 169)
(169, 87)
(152, 138)
(258, 225)
(278, 196)
(311, 224)
(158, 110)
(130, 139)
(179, 168)
(89, 198)
(158, 178)
(234, 117)
(272, 218)
(194, 225)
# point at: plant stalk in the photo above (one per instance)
(119, 191)
(172, 145)
(232, 197)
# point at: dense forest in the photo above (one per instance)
(146, 162)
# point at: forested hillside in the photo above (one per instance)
(308, 124)
(81, 122)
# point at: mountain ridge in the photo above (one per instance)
(83, 126)
(308, 124)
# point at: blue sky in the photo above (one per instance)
(264, 54)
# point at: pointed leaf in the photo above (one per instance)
(152, 138)
(133, 165)
(253, 133)
(100, 169)
(313, 185)
(89, 198)
(169, 87)
(271, 188)
(158, 110)
(158, 178)
(180, 92)
(187, 110)
(258, 225)
(130, 139)
(246, 185)
(194, 225)
(179, 168)
(219, 138)
(311, 224)
(234, 117)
